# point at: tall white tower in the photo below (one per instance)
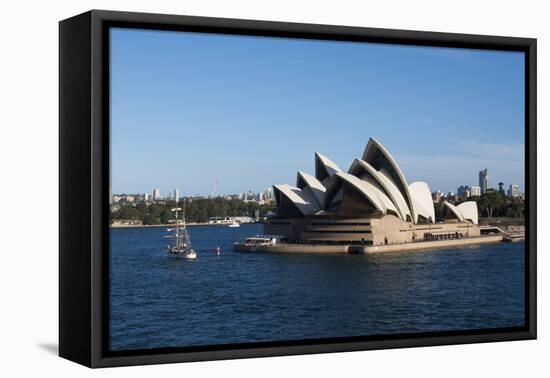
(156, 194)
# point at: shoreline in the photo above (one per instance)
(298, 248)
(125, 225)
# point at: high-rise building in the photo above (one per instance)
(156, 194)
(484, 180)
(176, 195)
(475, 191)
(513, 191)
(463, 191)
(146, 196)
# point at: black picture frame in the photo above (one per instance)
(84, 186)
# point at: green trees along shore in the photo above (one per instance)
(196, 210)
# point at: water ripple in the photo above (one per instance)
(157, 302)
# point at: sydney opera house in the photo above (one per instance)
(370, 205)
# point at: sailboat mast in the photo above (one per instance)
(177, 242)
(185, 233)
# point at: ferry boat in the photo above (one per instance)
(252, 244)
(181, 249)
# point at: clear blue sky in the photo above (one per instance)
(189, 109)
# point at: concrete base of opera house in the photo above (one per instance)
(360, 249)
(432, 244)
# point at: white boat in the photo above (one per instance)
(234, 224)
(181, 249)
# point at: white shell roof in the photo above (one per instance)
(465, 211)
(469, 211)
(380, 180)
(303, 200)
(422, 200)
(374, 145)
(388, 185)
(315, 186)
(455, 210)
(370, 191)
(329, 165)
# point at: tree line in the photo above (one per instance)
(196, 210)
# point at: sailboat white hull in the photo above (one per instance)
(189, 255)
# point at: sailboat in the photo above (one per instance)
(181, 249)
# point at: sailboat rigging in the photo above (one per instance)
(181, 248)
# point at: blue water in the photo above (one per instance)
(156, 301)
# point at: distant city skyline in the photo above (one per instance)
(189, 110)
(176, 192)
(475, 190)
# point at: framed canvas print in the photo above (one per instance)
(234, 188)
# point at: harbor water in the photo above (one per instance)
(239, 297)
